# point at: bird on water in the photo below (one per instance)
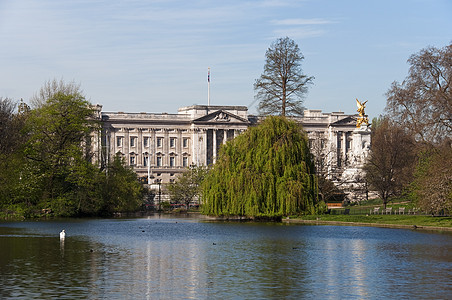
(62, 234)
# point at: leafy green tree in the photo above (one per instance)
(188, 185)
(46, 159)
(266, 172)
(58, 170)
(56, 134)
(122, 190)
(282, 85)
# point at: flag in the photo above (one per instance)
(208, 75)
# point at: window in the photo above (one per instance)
(119, 141)
(172, 159)
(146, 142)
(146, 161)
(133, 141)
(132, 160)
(172, 142)
(185, 142)
(159, 141)
(159, 161)
(185, 161)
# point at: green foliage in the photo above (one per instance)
(266, 172)
(55, 158)
(187, 185)
(122, 190)
(47, 167)
(165, 205)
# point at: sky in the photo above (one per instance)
(153, 56)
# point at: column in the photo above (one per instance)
(140, 147)
(214, 145)
(225, 136)
(126, 145)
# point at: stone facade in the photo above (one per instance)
(340, 149)
(159, 146)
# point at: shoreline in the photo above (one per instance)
(342, 223)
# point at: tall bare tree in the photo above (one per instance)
(390, 165)
(282, 85)
(53, 87)
(422, 103)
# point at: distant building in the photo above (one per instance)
(340, 149)
(159, 146)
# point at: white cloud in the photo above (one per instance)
(292, 22)
(298, 33)
(275, 3)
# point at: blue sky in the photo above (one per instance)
(152, 56)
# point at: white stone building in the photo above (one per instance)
(340, 149)
(159, 145)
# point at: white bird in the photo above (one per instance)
(62, 234)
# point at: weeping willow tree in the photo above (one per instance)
(266, 172)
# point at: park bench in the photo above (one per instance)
(401, 210)
(376, 211)
(388, 210)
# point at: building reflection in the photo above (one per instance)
(346, 267)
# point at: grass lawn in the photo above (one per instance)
(385, 219)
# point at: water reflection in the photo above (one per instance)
(62, 247)
(172, 259)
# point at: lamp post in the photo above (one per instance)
(149, 168)
(160, 192)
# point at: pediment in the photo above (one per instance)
(348, 121)
(221, 117)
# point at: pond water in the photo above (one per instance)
(161, 257)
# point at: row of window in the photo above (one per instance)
(146, 142)
(172, 161)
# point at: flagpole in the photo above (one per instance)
(208, 86)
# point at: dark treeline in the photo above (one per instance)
(46, 162)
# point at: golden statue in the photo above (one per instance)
(362, 119)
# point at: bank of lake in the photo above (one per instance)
(394, 221)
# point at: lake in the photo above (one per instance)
(169, 257)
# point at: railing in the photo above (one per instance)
(356, 210)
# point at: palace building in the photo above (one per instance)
(159, 146)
